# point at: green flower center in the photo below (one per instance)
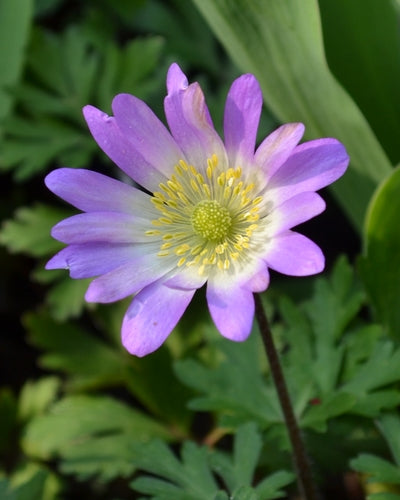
(211, 220)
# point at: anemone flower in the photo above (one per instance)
(205, 211)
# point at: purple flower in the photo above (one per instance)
(219, 212)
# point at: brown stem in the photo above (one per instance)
(305, 480)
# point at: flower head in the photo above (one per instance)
(209, 211)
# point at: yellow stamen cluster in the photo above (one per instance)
(206, 220)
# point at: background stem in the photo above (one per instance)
(303, 469)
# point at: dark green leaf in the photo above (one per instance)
(29, 231)
(36, 396)
(269, 488)
(235, 387)
(190, 479)
(389, 425)
(378, 469)
(15, 20)
(66, 347)
(380, 265)
(91, 435)
(367, 50)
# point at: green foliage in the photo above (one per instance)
(379, 470)
(150, 380)
(15, 20)
(326, 373)
(66, 349)
(281, 43)
(32, 481)
(379, 264)
(376, 63)
(36, 397)
(64, 73)
(29, 230)
(193, 478)
(92, 434)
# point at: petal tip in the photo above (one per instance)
(176, 79)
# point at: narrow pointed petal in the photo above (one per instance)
(127, 279)
(312, 166)
(189, 120)
(91, 259)
(232, 310)
(93, 192)
(278, 146)
(294, 211)
(295, 255)
(242, 115)
(151, 317)
(108, 227)
(147, 134)
(121, 151)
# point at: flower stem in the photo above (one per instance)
(305, 480)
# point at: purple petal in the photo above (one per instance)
(232, 310)
(121, 151)
(187, 278)
(93, 192)
(128, 279)
(295, 255)
(260, 280)
(278, 146)
(148, 136)
(111, 227)
(294, 211)
(242, 115)
(91, 259)
(189, 120)
(151, 317)
(312, 166)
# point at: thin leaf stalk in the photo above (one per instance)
(306, 483)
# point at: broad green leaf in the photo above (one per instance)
(130, 70)
(193, 477)
(240, 469)
(36, 396)
(280, 41)
(329, 406)
(66, 299)
(30, 145)
(29, 230)
(29, 482)
(66, 347)
(245, 493)
(189, 479)
(269, 488)
(91, 435)
(380, 264)
(186, 34)
(66, 72)
(15, 20)
(370, 29)
(378, 469)
(389, 425)
(246, 453)
(235, 387)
